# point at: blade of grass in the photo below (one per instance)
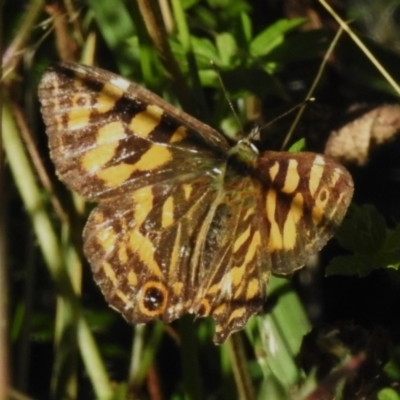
(345, 26)
(156, 29)
(116, 27)
(16, 50)
(239, 365)
(4, 336)
(47, 240)
(200, 109)
(189, 357)
(143, 354)
(64, 380)
(281, 334)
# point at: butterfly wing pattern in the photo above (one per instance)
(182, 226)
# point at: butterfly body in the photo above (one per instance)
(186, 221)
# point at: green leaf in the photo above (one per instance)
(264, 43)
(349, 265)
(219, 3)
(229, 8)
(116, 27)
(227, 49)
(205, 51)
(209, 78)
(246, 26)
(273, 36)
(302, 46)
(272, 388)
(206, 17)
(253, 80)
(388, 394)
(120, 391)
(298, 146)
(363, 230)
(392, 367)
(281, 333)
(392, 242)
(186, 4)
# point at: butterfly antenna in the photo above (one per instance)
(256, 131)
(221, 82)
(294, 108)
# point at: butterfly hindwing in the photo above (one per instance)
(305, 200)
(162, 251)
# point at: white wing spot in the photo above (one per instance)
(319, 160)
(120, 82)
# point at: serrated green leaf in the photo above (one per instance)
(343, 265)
(377, 226)
(361, 265)
(387, 260)
(392, 242)
(363, 231)
(273, 36)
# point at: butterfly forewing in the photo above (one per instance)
(106, 137)
(181, 226)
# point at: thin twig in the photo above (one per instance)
(156, 29)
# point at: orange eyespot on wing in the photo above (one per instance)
(181, 226)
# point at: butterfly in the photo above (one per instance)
(187, 220)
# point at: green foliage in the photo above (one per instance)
(388, 394)
(392, 367)
(365, 234)
(273, 36)
(300, 145)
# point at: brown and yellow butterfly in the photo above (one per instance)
(187, 221)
